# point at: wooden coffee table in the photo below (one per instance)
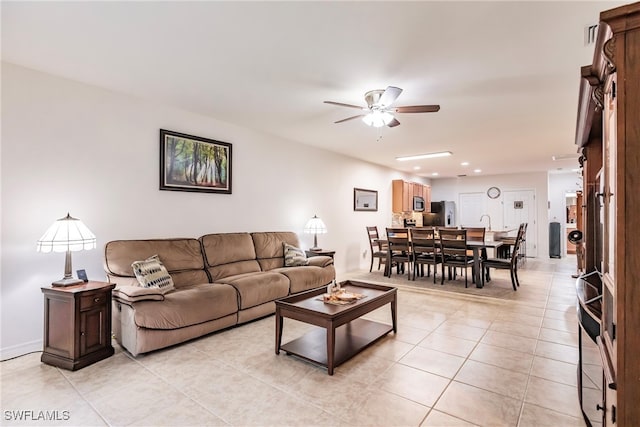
(344, 333)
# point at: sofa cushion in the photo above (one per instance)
(229, 254)
(269, 249)
(187, 306)
(151, 273)
(181, 257)
(307, 277)
(293, 256)
(258, 288)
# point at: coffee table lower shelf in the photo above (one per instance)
(351, 338)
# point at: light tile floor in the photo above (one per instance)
(457, 360)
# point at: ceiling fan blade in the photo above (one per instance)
(390, 94)
(393, 123)
(340, 104)
(417, 109)
(350, 118)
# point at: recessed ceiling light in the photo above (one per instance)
(424, 156)
(477, 170)
(435, 174)
(464, 164)
(415, 168)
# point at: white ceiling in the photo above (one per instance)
(506, 74)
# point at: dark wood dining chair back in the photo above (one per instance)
(475, 234)
(378, 249)
(523, 244)
(399, 249)
(453, 244)
(425, 249)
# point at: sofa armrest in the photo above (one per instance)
(320, 261)
(130, 294)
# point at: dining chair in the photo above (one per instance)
(476, 234)
(399, 250)
(378, 248)
(453, 244)
(523, 244)
(425, 250)
(508, 264)
(504, 251)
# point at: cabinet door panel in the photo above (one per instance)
(92, 330)
(407, 197)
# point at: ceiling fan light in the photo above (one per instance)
(378, 118)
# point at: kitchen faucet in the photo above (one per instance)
(489, 220)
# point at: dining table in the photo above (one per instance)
(475, 246)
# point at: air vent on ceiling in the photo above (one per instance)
(590, 34)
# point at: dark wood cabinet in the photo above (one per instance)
(77, 324)
(608, 132)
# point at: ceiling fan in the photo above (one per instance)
(379, 111)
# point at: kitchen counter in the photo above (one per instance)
(498, 234)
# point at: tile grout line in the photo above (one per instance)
(82, 396)
(538, 339)
(162, 378)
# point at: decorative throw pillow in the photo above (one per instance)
(152, 274)
(294, 257)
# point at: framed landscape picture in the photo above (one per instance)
(192, 163)
(365, 200)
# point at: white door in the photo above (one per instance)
(519, 207)
(472, 206)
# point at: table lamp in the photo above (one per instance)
(67, 235)
(315, 226)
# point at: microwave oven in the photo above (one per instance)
(418, 204)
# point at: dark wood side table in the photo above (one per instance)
(77, 324)
(311, 253)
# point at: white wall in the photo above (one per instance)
(450, 189)
(70, 147)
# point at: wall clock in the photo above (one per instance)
(493, 192)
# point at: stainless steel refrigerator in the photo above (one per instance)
(442, 214)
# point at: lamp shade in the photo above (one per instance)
(315, 226)
(67, 234)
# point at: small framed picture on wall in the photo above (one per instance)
(365, 200)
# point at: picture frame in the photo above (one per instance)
(193, 163)
(365, 200)
(82, 275)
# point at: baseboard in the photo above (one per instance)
(20, 349)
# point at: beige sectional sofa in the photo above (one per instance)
(220, 280)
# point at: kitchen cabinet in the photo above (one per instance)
(426, 195)
(608, 133)
(403, 193)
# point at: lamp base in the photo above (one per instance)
(315, 249)
(67, 282)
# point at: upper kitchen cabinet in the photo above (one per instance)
(404, 193)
